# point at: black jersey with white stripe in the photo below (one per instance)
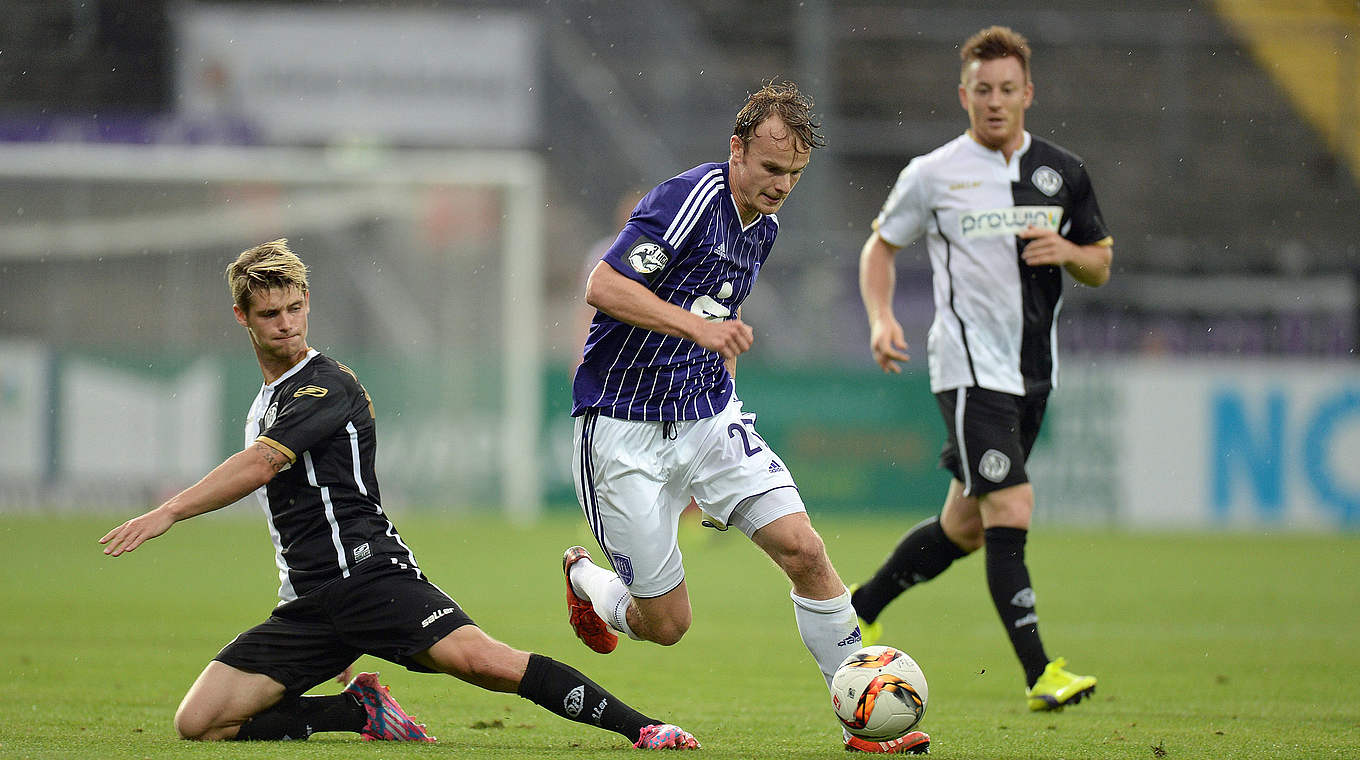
(686, 243)
(995, 316)
(324, 509)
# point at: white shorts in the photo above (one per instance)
(633, 482)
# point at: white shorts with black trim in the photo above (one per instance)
(633, 482)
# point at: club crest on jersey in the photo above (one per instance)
(1008, 221)
(647, 258)
(270, 416)
(1048, 180)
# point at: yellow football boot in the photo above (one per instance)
(1057, 688)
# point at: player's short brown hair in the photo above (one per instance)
(792, 107)
(992, 43)
(268, 265)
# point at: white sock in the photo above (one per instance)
(606, 593)
(829, 630)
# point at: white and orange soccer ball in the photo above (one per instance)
(879, 693)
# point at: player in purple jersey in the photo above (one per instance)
(658, 420)
(349, 585)
(1003, 214)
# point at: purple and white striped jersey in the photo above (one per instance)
(686, 243)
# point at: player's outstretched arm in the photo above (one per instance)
(629, 301)
(877, 281)
(240, 474)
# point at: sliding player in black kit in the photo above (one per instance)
(349, 585)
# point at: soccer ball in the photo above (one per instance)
(879, 693)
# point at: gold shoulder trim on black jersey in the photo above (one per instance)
(371, 413)
(310, 390)
(279, 447)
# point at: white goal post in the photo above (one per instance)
(280, 191)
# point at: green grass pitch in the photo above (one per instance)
(1206, 646)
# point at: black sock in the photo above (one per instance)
(565, 691)
(296, 718)
(1008, 580)
(922, 554)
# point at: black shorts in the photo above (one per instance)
(388, 613)
(994, 432)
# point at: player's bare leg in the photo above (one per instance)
(229, 703)
(468, 654)
(821, 607)
(961, 518)
(1011, 507)
(821, 603)
(662, 619)
(223, 698)
(796, 547)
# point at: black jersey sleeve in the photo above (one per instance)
(311, 412)
(1088, 226)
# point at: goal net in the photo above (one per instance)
(426, 273)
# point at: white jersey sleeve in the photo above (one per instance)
(905, 214)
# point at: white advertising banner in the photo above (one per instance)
(320, 74)
(25, 372)
(132, 429)
(1176, 444)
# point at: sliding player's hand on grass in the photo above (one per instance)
(136, 532)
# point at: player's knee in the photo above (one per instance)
(666, 630)
(192, 727)
(669, 632)
(968, 537)
(803, 556)
(963, 532)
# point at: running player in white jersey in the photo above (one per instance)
(348, 583)
(658, 420)
(1003, 214)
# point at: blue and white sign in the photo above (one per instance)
(1242, 444)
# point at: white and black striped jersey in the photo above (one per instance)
(995, 317)
(686, 243)
(324, 510)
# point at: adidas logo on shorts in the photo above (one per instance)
(775, 467)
